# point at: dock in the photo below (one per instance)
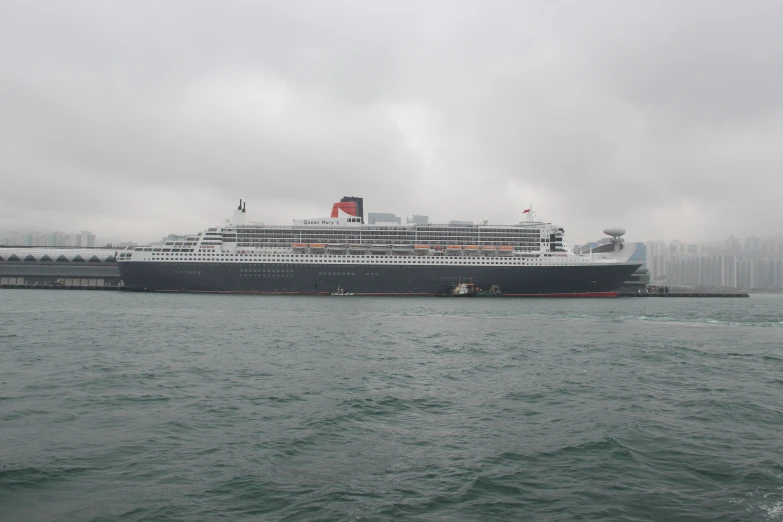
(59, 287)
(685, 294)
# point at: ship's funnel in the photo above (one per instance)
(239, 214)
(357, 204)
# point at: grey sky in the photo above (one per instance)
(136, 119)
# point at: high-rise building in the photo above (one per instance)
(732, 244)
(752, 246)
(374, 218)
(87, 239)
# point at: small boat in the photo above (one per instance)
(341, 291)
(494, 291)
(464, 290)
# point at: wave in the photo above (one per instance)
(26, 477)
(702, 320)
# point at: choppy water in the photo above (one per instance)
(122, 406)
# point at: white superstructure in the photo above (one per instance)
(343, 238)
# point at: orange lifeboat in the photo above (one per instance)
(471, 247)
(422, 247)
(489, 248)
(454, 247)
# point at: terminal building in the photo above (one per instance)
(379, 218)
(70, 267)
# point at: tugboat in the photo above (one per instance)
(341, 291)
(464, 290)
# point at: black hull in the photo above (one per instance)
(282, 278)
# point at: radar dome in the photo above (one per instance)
(484, 220)
(614, 231)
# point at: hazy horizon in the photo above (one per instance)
(136, 120)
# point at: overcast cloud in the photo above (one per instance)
(140, 118)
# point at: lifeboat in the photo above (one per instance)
(381, 248)
(454, 249)
(471, 249)
(299, 247)
(317, 247)
(505, 250)
(358, 248)
(403, 248)
(488, 248)
(421, 249)
(336, 247)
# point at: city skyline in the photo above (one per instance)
(85, 238)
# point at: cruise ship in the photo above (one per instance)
(320, 256)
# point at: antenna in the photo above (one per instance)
(244, 206)
(240, 204)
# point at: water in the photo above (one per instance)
(123, 406)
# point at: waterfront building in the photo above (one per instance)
(374, 218)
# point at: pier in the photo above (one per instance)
(686, 294)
